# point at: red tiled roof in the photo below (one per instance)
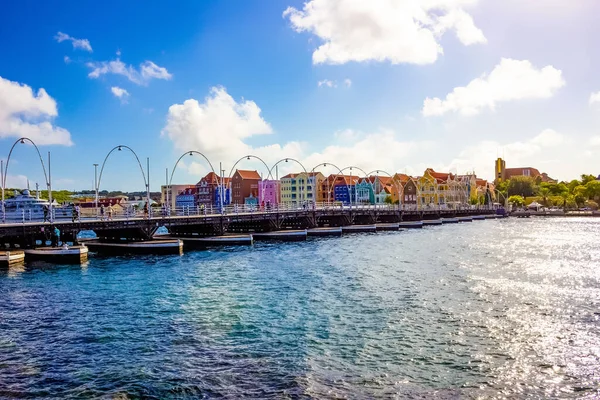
(212, 178)
(290, 176)
(246, 174)
(533, 172)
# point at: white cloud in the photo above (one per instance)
(347, 82)
(594, 98)
(595, 141)
(382, 150)
(67, 59)
(466, 30)
(82, 44)
(398, 31)
(23, 113)
(509, 80)
(549, 138)
(327, 82)
(121, 93)
(148, 70)
(219, 127)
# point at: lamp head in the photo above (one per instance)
(119, 148)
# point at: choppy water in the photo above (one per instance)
(488, 309)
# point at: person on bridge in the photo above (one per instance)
(146, 209)
(78, 212)
(102, 212)
(55, 237)
(73, 213)
(45, 213)
(110, 213)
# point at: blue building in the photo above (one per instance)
(345, 190)
(226, 196)
(186, 198)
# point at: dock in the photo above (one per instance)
(359, 228)
(158, 247)
(202, 242)
(325, 231)
(285, 236)
(450, 220)
(9, 258)
(388, 227)
(411, 224)
(58, 255)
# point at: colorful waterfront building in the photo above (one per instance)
(169, 193)
(404, 189)
(365, 193)
(435, 188)
(244, 187)
(298, 188)
(373, 189)
(269, 192)
(186, 198)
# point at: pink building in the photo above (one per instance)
(268, 193)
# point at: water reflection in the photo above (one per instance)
(480, 310)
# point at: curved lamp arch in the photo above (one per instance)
(247, 157)
(398, 184)
(22, 140)
(366, 176)
(297, 162)
(190, 153)
(119, 148)
(340, 172)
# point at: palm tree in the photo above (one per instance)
(544, 193)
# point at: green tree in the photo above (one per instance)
(573, 184)
(388, 200)
(544, 193)
(587, 178)
(516, 200)
(502, 188)
(592, 189)
(61, 196)
(521, 185)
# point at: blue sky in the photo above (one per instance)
(340, 81)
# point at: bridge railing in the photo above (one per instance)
(127, 213)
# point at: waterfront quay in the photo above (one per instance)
(123, 235)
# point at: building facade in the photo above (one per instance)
(501, 173)
(244, 185)
(269, 193)
(169, 193)
(300, 188)
(186, 198)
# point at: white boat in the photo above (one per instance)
(25, 207)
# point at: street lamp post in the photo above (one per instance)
(96, 187)
(2, 181)
(49, 183)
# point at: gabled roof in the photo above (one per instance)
(246, 174)
(295, 174)
(440, 177)
(212, 178)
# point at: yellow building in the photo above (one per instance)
(301, 187)
(439, 188)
